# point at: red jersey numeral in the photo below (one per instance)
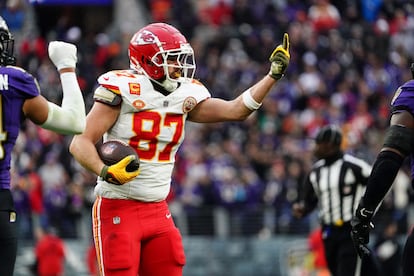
(147, 127)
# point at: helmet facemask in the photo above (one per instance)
(6, 45)
(181, 61)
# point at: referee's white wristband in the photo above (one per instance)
(249, 102)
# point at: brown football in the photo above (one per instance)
(113, 151)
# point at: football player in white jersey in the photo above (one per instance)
(147, 107)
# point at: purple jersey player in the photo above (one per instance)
(16, 86)
(20, 97)
(398, 144)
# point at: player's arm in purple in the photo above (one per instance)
(398, 143)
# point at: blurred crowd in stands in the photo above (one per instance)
(348, 58)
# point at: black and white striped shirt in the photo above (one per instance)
(336, 184)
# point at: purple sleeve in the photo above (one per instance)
(404, 98)
(22, 83)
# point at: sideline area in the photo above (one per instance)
(284, 255)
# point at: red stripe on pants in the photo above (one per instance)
(133, 236)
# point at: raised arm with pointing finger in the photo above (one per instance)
(147, 106)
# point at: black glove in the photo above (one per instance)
(361, 226)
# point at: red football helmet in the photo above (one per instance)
(154, 44)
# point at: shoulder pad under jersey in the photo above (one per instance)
(106, 96)
(110, 81)
(113, 80)
(109, 91)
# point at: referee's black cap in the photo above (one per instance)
(329, 134)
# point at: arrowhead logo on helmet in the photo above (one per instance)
(145, 37)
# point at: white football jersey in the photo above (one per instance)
(153, 124)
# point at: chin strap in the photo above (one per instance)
(169, 85)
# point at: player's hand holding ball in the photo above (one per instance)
(280, 59)
(121, 162)
(62, 54)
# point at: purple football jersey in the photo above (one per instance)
(16, 85)
(404, 100)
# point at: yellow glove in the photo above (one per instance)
(120, 173)
(280, 59)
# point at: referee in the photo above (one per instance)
(334, 185)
